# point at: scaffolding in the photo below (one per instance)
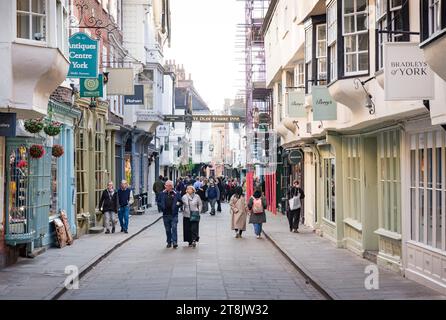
(261, 150)
(259, 115)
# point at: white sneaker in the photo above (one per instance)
(258, 237)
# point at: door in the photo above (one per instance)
(370, 205)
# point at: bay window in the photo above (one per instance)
(315, 52)
(428, 188)
(321, 53)
(356, 37)
(433, 18)
(299, 75)
(31, 19)
(391, 15)
(308, 58)
(62, 25)
(332, 30)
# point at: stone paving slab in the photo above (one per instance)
(338, 271)
(43, 276)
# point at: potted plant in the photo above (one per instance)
(34, 125)
(22, 164)
(53, 128)
(36, 151)
(57, 151)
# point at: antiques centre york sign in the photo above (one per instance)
(83, 53)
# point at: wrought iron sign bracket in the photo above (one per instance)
(370, 104)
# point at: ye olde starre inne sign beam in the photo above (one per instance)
(204, 118)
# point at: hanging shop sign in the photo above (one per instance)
(296, 104)
(8, 124)
(407, 74)
(295, 156)
(92, 87)
(162, 130)
(137, 98)
(324, 106)
(120, 81)
(83, 53)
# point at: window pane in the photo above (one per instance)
(439, 169)
(429, 168)
(23, 26)
(396, 3)
(322, 49)
(429, 217)
(349, 24)
(363, 61)
(361, 22)
(350, 63)
(38, 28)
(439, 221)
(421, 216)
(23, 5)
(361, 5)
(421, 167)
(349, 6)
(350, 44)
(321, 33)
(363, 42)
(38, 6)
(412, 210)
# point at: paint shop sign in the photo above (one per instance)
(407, 75)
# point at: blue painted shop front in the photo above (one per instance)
(37, 189)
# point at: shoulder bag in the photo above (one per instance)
(294, 202)
(194, 215)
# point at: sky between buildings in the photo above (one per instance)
(203, 41)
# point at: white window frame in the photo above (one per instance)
(420, 186)
(321, 57)
(332, 34)
(434, 13)
(30, 14)
(299, 74)
(62, 11)
(356, 35)
(352, 178)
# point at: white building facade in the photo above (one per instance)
(374, 177)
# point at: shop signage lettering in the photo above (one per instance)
(162, 131)
(204, 118)
(324, 106)
(83, 54)
(137, 98)
(407, 75)
(295, 156)
(8, 124)
(92, 88)
(296, 104)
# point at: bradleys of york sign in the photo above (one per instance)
(407, 74)
(83, 56)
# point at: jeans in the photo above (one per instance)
(109, 217)
(205, 206)
(212, 202)
(123, 215)
(170, 224)
(258, 229)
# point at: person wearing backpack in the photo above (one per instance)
(295, 197)
(212, 194)
(257, 205)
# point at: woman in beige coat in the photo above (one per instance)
(239, 212)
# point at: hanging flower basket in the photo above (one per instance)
(34, 125)
(22, 164)
(53, 128)
(57, 151)
(37, 151)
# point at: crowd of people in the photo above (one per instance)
(193, 196)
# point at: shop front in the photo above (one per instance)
(424, 205)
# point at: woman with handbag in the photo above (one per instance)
(238, 212)
(295, 197)
(192, 207)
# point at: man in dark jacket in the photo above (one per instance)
(125, 198)
(158, 187)
(108, 204)
(169, 202)
(212, 194)
(294, 213)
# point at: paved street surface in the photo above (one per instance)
(221, 267)
(340, 272)
(43, 276)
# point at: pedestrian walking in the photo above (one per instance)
(239, 212)
(202, 193)
(295, 197)
(192, 207)
(108, 204)
(125, 198)
(222, 190)
(257, 216)
(212, 194)
(170, 201)
(158, 187)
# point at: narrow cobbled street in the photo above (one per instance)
(220, 267)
